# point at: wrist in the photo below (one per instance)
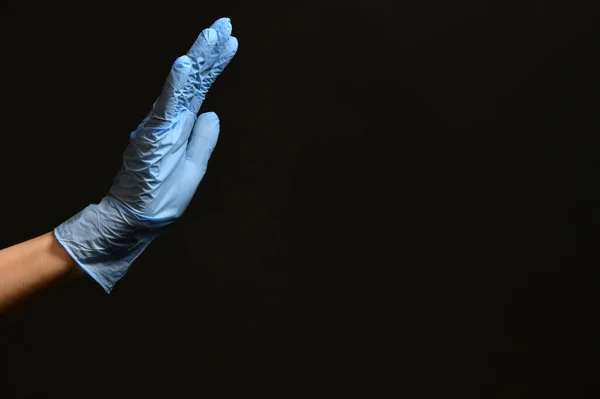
(104, 239)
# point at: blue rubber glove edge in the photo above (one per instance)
(103, 284)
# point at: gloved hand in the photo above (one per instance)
(162, 166)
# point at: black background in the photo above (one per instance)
(403, 200)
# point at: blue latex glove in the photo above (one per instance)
(162, 166)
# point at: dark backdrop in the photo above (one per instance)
(404, 199)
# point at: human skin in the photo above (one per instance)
(31, 266)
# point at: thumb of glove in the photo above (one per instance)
(203, 141)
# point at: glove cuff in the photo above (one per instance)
(103, 240)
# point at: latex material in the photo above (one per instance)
(163, 164)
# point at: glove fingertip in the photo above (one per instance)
(223, 26)
(180, 71)
(210, 35)
(183, 62)
(207, 125)
(209, 115)
(232, 45)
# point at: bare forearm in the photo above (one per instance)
(31, 265)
